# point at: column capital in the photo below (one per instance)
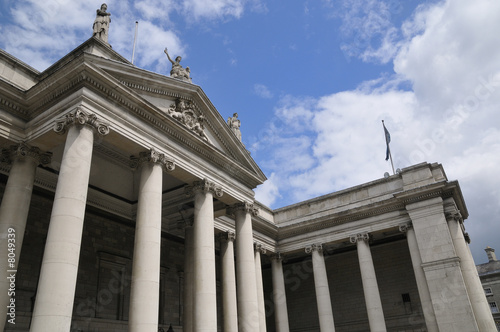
(359, 237)
(228, 236)
(457, 216)
(278, 256)
(314, 247)
(80, 117)
(188, 222)
(243, 206)
(403, 228)
(259, 248)
(152, 156)
(23, 150)
(204, 186)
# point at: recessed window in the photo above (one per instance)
(494, 308)
(407, 303)
(488, 291)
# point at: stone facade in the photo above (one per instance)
(489, 273)
(129, 202)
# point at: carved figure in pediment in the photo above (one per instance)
(183, 111)
(199, 128)
(177, 70)
(101, 23)
(234, 124)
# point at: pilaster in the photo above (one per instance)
(441, 266)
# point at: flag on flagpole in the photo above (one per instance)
(387, 141)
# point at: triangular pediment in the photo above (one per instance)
(186, 104)
(177, 110)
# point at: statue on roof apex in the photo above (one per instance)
(101, 23)
(234, 124)
(177, 70)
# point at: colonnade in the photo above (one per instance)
(57, 282)
(243, 305)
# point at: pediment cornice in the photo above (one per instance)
(81, 74)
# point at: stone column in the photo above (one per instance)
(14, 213)
(480, 306)
(57, 282)
(248, 311)
(229, 302)
(370, 287)
(423, 288)
(279, 295)
(260, 287)
(323, 299)
(145, 286)
(441, 266)
(188, 319)
(204, 283)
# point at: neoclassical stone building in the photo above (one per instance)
(128, 205)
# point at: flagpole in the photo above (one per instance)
(387, 141)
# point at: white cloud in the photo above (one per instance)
(453, 53)
(450, 56)
(262, 91)
(213, 9)
(156, 9)
(268, 192)
(43, 32)
(368, 29)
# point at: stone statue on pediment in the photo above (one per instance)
(177, 70)
(101, 23)
(234, 124)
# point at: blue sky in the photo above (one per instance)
(312, 80)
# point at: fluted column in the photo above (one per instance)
(323, 299)
(370, 287)
(260, 287)
(423, 288)
(14, 213)
(57, 283)
(204, 283)
(480, 306)
(248, 311)
(229, 302)
(145, 286)
(279, 295)
(188, 319)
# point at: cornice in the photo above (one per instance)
(13, 106)
(150, 115)
(421, 193)
(315, 224)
